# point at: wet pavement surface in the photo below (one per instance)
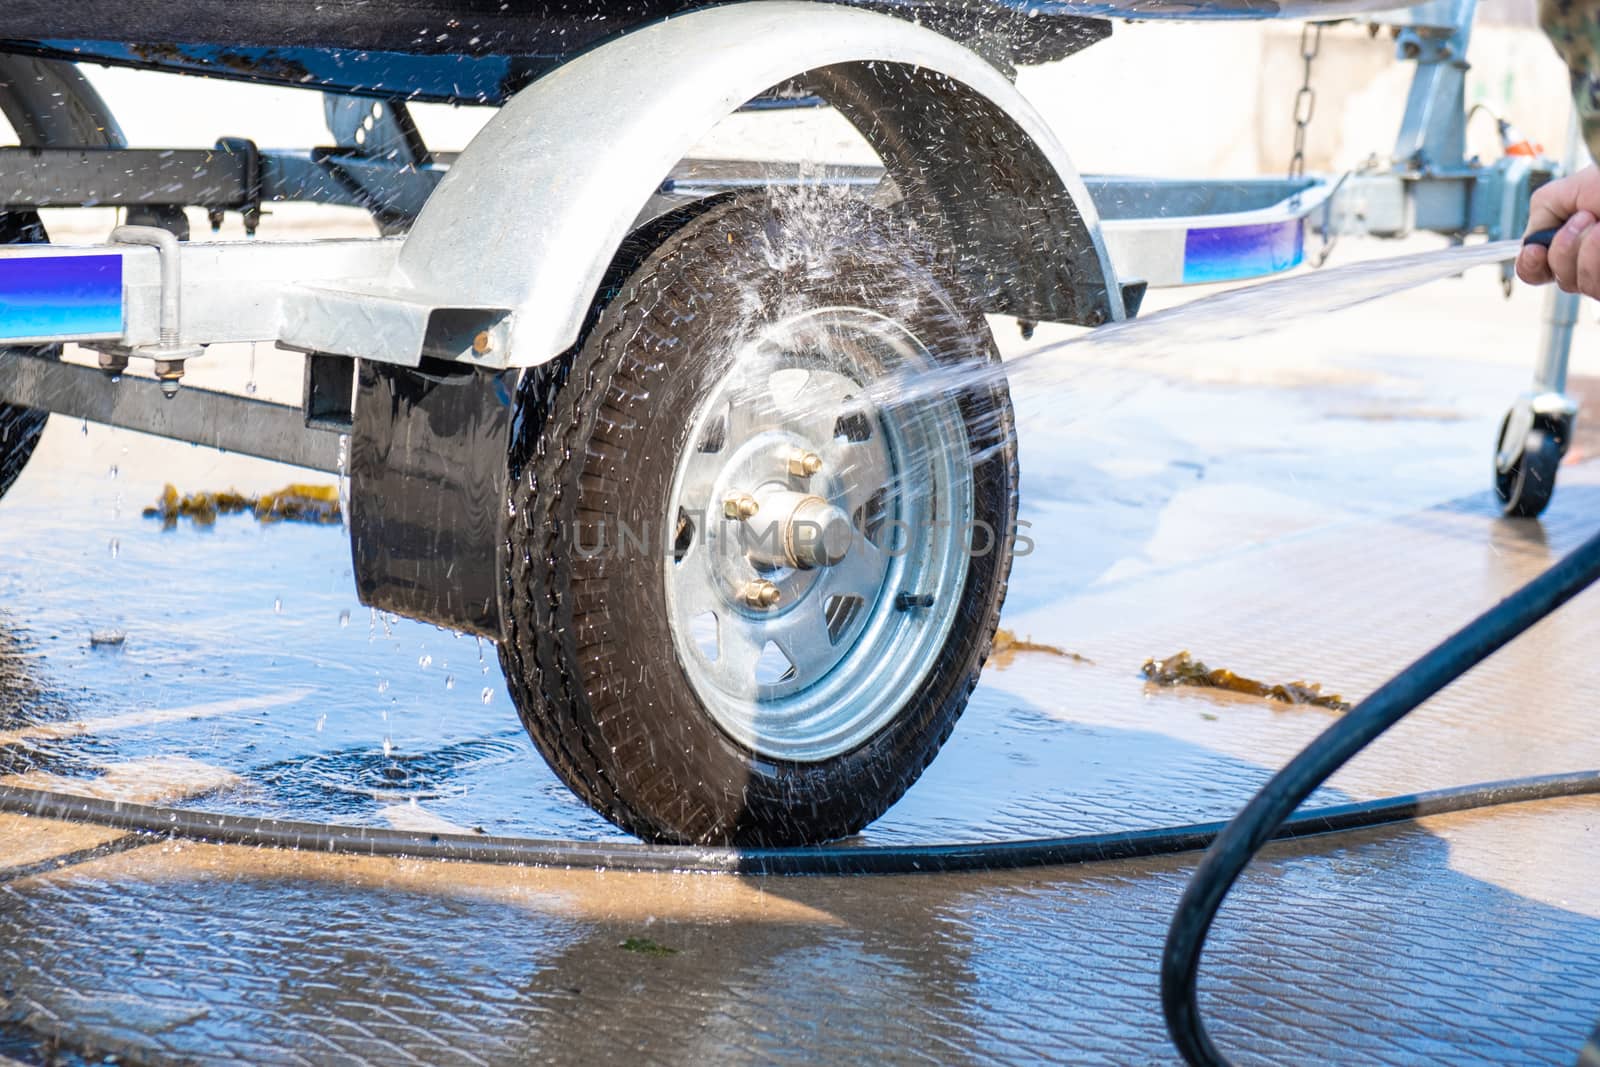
(1304, 509)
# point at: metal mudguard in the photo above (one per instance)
(531, 214)
(519, 234)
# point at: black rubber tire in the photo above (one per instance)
(586, 648)
(1526, 489)
(20, 428)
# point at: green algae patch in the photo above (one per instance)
(646, 947)
(1184, 669)
(316, 504)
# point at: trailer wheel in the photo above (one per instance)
(750, 590)
(20, 428)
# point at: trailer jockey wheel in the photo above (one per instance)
(752, 583)
(1525, 470)
(19, 427)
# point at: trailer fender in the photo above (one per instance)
(503, 263)
(532, 212)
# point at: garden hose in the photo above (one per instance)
(1261, 819)
(155, 824)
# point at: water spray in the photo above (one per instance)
(1234, 315)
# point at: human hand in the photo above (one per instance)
(1573, 259)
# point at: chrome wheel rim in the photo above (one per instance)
(821, 540)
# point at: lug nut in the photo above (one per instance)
(803, 464)
(740, 506)
(760, 593)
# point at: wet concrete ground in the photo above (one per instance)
(1311, 505)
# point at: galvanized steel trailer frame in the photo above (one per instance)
(496, 254)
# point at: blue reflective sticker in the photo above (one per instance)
(65, 297)
(1229, 253)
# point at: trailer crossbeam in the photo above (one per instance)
(200, 416)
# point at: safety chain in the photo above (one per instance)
(1305, 101)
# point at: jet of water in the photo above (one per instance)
(1234, 315)
(1273, 305)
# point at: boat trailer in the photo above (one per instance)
(552, 338)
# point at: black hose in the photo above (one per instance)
(1259, 820)
(158, 823)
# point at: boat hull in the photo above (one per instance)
(481, 51)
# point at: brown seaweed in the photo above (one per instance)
(1184, 669)
(1003, 653)
(318, 504)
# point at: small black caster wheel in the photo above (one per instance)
(1526, 484)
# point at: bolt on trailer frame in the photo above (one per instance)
(419, 343)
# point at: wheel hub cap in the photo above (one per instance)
(799, 530)
(818, 567)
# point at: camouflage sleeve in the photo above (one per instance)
(1574, 28)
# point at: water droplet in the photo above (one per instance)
(344, 619)
(425, 661)
(277, 606)
(488, 695)
(321, 721)
(449, 681)
(113, 472)
(116, 547)
(344, 480)
(388, 746)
